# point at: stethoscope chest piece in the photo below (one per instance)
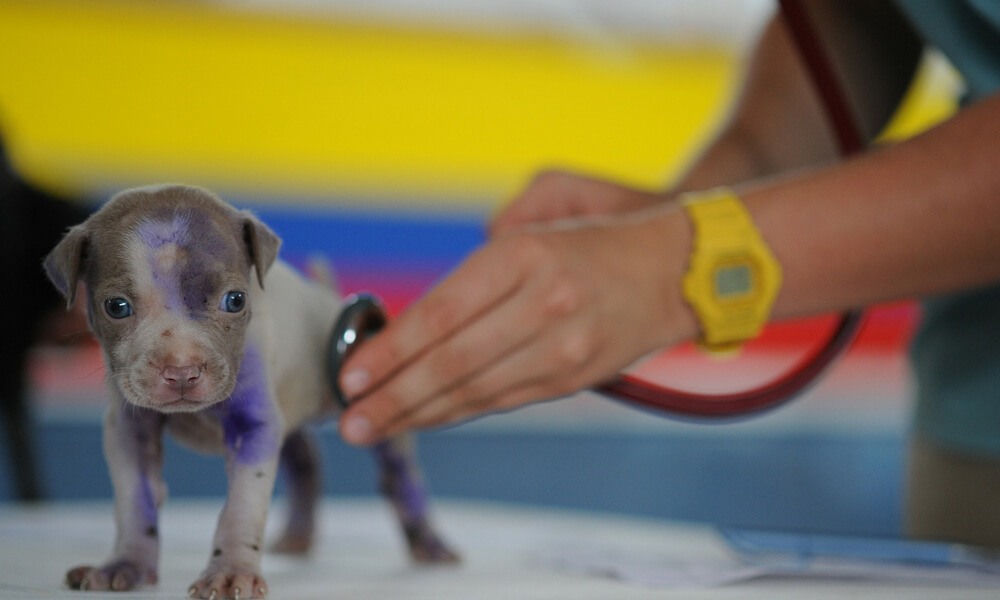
(362, 317)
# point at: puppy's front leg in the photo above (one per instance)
(133, 446)
(252, 427)
(300, 462)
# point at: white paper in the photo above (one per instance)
(673, 572)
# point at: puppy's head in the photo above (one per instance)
(167, 272)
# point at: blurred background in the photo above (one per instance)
(382, 134)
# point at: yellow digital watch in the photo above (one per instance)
(733, 278)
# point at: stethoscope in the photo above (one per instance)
(363, 315)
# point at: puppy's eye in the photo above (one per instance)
(117, 308)
(234, 302)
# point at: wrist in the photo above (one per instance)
(669, 234)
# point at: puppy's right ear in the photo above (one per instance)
(64, 265)
(262, 244)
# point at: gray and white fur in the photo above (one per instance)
(194, 345)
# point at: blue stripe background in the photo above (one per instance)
(427, 242)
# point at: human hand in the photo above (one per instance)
(553, 195)
(536, 314)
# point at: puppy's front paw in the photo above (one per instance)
(236, 584)
(116, 576)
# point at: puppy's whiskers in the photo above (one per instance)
(96, 370)
(238, 387)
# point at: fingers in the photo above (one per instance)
(488, 279)
(474, 288)
(443, 367)
(531, 393)
(531, 374)
(538, 297)
(546, 353)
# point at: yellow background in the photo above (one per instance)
(114, 93)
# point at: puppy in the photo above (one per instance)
(227, 363)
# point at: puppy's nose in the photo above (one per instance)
(181, 378)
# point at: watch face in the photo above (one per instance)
(734, 281)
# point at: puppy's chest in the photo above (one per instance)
(200, 431)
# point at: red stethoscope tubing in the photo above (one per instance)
(676, 402)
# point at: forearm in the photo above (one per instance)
(916, 219)
(775, 124)
(778, 122)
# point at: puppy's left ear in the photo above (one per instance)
(262, 244)
(67, 262)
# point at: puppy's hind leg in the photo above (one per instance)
(300, 464)
(402, 484)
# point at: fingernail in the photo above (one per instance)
(357, 429)
(354, 382)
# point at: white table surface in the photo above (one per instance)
(359, 556)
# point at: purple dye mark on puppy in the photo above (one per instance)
(400, 483)
(139, 433)
(192, 282)
(160, 232)
(200, 279)
(210, 254)
(156, 234)
(147, 506)
(249, 420)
